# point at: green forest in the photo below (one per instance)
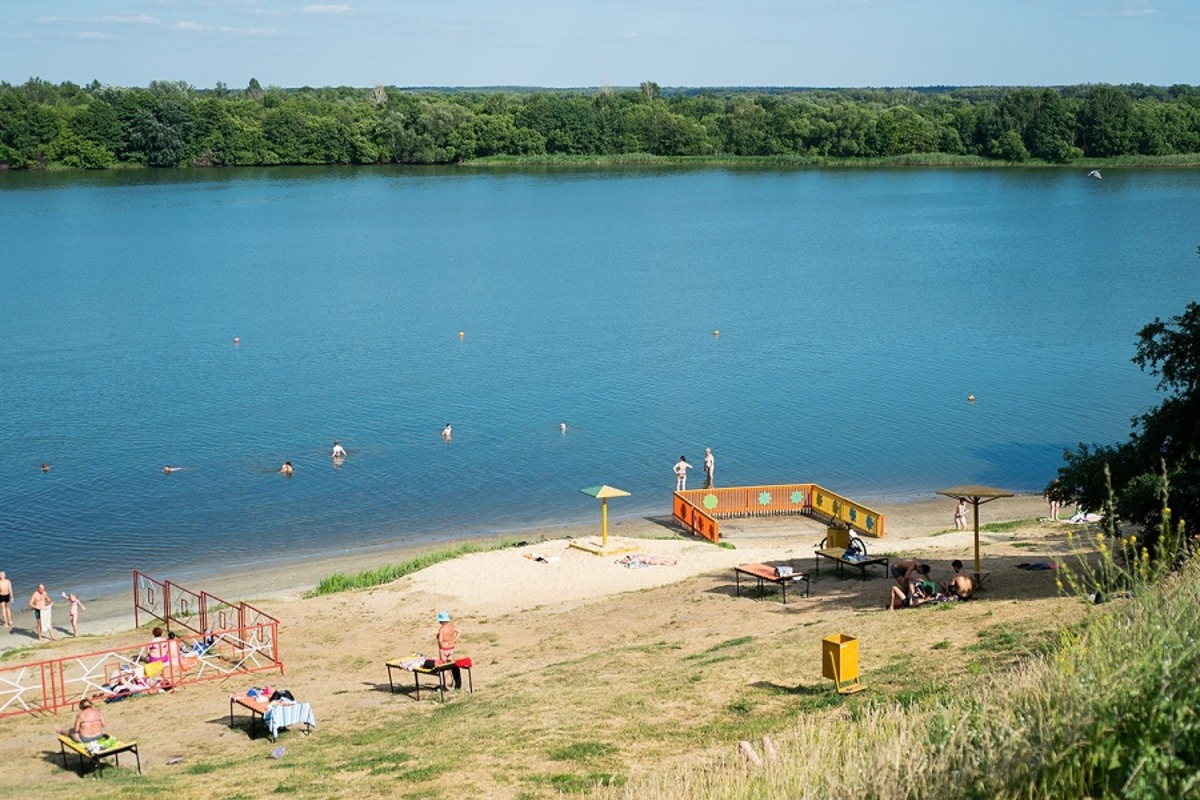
(172, 124)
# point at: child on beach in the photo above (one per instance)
(73, 611)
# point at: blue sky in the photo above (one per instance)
(565, 43)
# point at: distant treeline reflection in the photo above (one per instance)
(172, 124)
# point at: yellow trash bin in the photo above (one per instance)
(839, 662)
(837, 537)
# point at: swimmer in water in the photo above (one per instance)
(286, 469)
(338, 450)
(45, 467)
(446, 432)
(168, 469)
(562, 426)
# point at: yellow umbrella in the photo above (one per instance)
(604, 492)
(978, 495)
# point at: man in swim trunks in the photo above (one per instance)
(708, 468)
(89, 723)
(5, 599)
(41, 603)
(960, 584)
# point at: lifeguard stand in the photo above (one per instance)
(839, 662)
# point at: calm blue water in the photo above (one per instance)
(856, 309)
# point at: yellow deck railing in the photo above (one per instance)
(699, 510)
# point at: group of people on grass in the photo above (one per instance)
(914, 587)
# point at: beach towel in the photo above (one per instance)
(285, 714)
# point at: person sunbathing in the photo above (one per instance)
(89, 723)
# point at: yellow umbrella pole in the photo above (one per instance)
(978, 571)
(604, 525)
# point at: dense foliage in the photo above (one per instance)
(1163, 451)
(171, 124)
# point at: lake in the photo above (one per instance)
(224, 322)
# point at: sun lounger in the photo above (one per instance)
(96, 759)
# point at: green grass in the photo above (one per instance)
(341, 582)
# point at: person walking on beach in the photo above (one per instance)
(6, 600)
(447, 639)
(41, 603)
(960, 514)
(73, 611)
(681, 468)
(708, 468)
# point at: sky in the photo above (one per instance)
(593, 43)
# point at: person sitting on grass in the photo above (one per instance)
(906, 571)
(959, 586)
(89, 723)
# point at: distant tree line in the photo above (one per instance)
(172, 124)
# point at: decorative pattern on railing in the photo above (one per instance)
(700, 509)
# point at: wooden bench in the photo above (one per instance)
(96, 759)
(437, 671)
(767, 572)
(839, 555)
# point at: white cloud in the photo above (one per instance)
(327, 8)
(252, 31)
(190, 26)
(95, 36)
(141, 19)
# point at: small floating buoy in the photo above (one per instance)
(971, 399)
(237, 340)
(716, 333)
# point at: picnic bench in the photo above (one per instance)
(859, 560)
(96, 759)
(437, 671)
(768, 572)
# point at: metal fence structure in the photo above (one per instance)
(219, 639)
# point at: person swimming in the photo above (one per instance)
(338, 450)
(446, 431)
(286, 469)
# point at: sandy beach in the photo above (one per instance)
(518, 613)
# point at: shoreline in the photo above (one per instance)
(290, 578)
